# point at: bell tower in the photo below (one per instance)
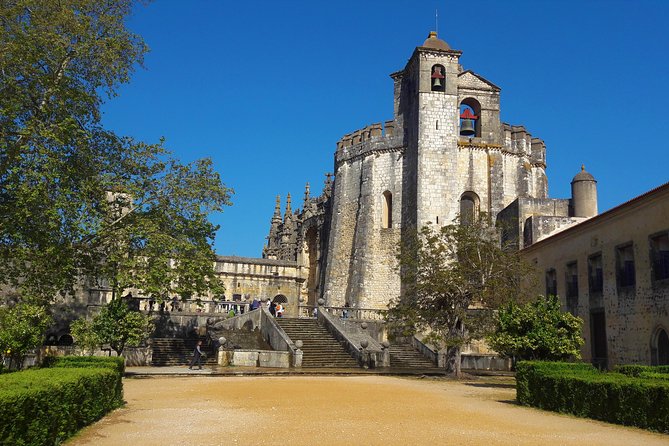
(427, 106)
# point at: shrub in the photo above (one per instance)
(48, 405)
(581, 390)
(637, 369)
(112, 362)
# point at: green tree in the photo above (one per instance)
(22, 328)
(85, 336)
(453, 277)
(76, 199)
(120, 326)
(537, 330)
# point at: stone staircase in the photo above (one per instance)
(320, 348)
(179, 352)
(406, 357)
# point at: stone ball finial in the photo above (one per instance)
(299, 343)
(222, 340)
(364, 343)
(363, 325)
(385, 344)
(321, 301)
(301, 299)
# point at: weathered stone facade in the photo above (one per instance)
(430, 164)
(416, 169)
(612, 270)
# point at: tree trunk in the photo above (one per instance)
(453, 361)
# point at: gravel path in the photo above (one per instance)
(358, 410)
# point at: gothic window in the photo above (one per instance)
(470, 118)
(595, 276)
(438, 78)
(469, 208)
(571, 279)
(659, 251)
(625, 266)
(551, 282)
(387, 217)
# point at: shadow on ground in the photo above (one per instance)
(492, 385)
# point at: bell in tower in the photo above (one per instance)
(468, 123)
(437, 78)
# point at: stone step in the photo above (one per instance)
(177, 351)
(320, 348)
(406, 356)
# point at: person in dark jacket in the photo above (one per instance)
(272, 309)
(197, 356)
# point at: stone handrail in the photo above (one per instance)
(428, 351)
(237, 322)
(305, 310)
(277, 338)
(374, 355)
(194, 306)
(363, 314)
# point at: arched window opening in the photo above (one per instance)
(387, 217)
(280, 299)
(438, 78)
(469, 208)
(470, 118)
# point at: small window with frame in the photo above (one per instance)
(625, 267)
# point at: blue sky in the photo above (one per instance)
(266, 88)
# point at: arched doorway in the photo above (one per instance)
(662, 347)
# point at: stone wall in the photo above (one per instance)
(252, 278)
(361, 253)
(632, 315)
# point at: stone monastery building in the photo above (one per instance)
(445, 153)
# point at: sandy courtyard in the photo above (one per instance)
(362, 410)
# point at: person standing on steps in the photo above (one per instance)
(197, 356)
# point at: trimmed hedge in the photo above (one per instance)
(46, 406)
(636, 369)
(112, 362)
(582, 390)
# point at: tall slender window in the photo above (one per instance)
(571, 279)
(551, 282)
(469, 208)
(659, 249)
(387, 217)
(595, 276)
(625, 263)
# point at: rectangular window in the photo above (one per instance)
(659, 251)
(571, 280)
(551, 282)
(625, 266)
(595, 275)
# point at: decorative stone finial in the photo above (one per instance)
(277, 207)
(364, 343)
